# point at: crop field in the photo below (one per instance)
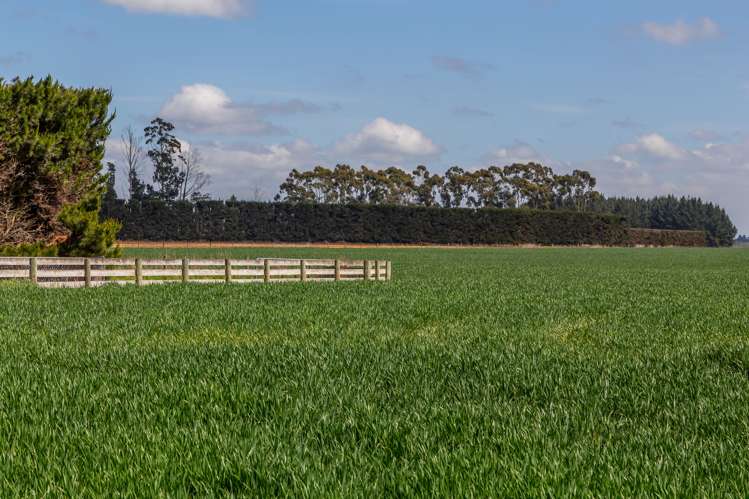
(484, 372)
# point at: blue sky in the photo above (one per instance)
(651, 97)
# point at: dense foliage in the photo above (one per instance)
(252, 221)
(51, 148)
(670, 212)
(519, 185)
(475, 373)
(659, 237)
(178, 173)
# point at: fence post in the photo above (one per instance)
(367, 270)
(227, 270)
(87, 272)
(33, 270)
(337, 270)
(138, 272)
(388, 270)
(266, 270)
(303, 270)
(377, 270)
(185, 270)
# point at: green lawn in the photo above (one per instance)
(486, 372)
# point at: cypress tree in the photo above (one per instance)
(52, 138)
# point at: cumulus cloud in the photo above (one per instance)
(681, 32)
(653, 165)
(207, 8)
(725, 157)
(207, 108)
(281, 157)
(387, 142)
(243, 170)
(518, 152)
(204, 108)
(654, 145)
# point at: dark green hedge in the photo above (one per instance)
(656, 237)
(280, 222)
(672, 213)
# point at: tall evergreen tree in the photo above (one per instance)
(110, 196)
(51, 148)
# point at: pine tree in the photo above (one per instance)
(51, 148)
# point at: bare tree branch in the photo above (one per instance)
(133, 154)
(194, 177)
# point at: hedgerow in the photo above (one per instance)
(154, 220)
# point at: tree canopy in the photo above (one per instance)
(670, 212)
(518, 185)
(528, 185)
(51, 148)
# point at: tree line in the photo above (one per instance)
(179, 175)
(672, 213)
(515, 186)
(528, 185)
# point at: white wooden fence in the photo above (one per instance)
(89, 272)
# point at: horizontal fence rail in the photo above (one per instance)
(91, 272)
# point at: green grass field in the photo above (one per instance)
(486, 372)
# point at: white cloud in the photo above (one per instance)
(653, 145)
(208, 8)
(681, 32)
(240, 169)
(207, 108)
(274, 157)
(652, 165)
(519, 152)
(388, 142)
(243, 170)
(730, 158)
(627, 164)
